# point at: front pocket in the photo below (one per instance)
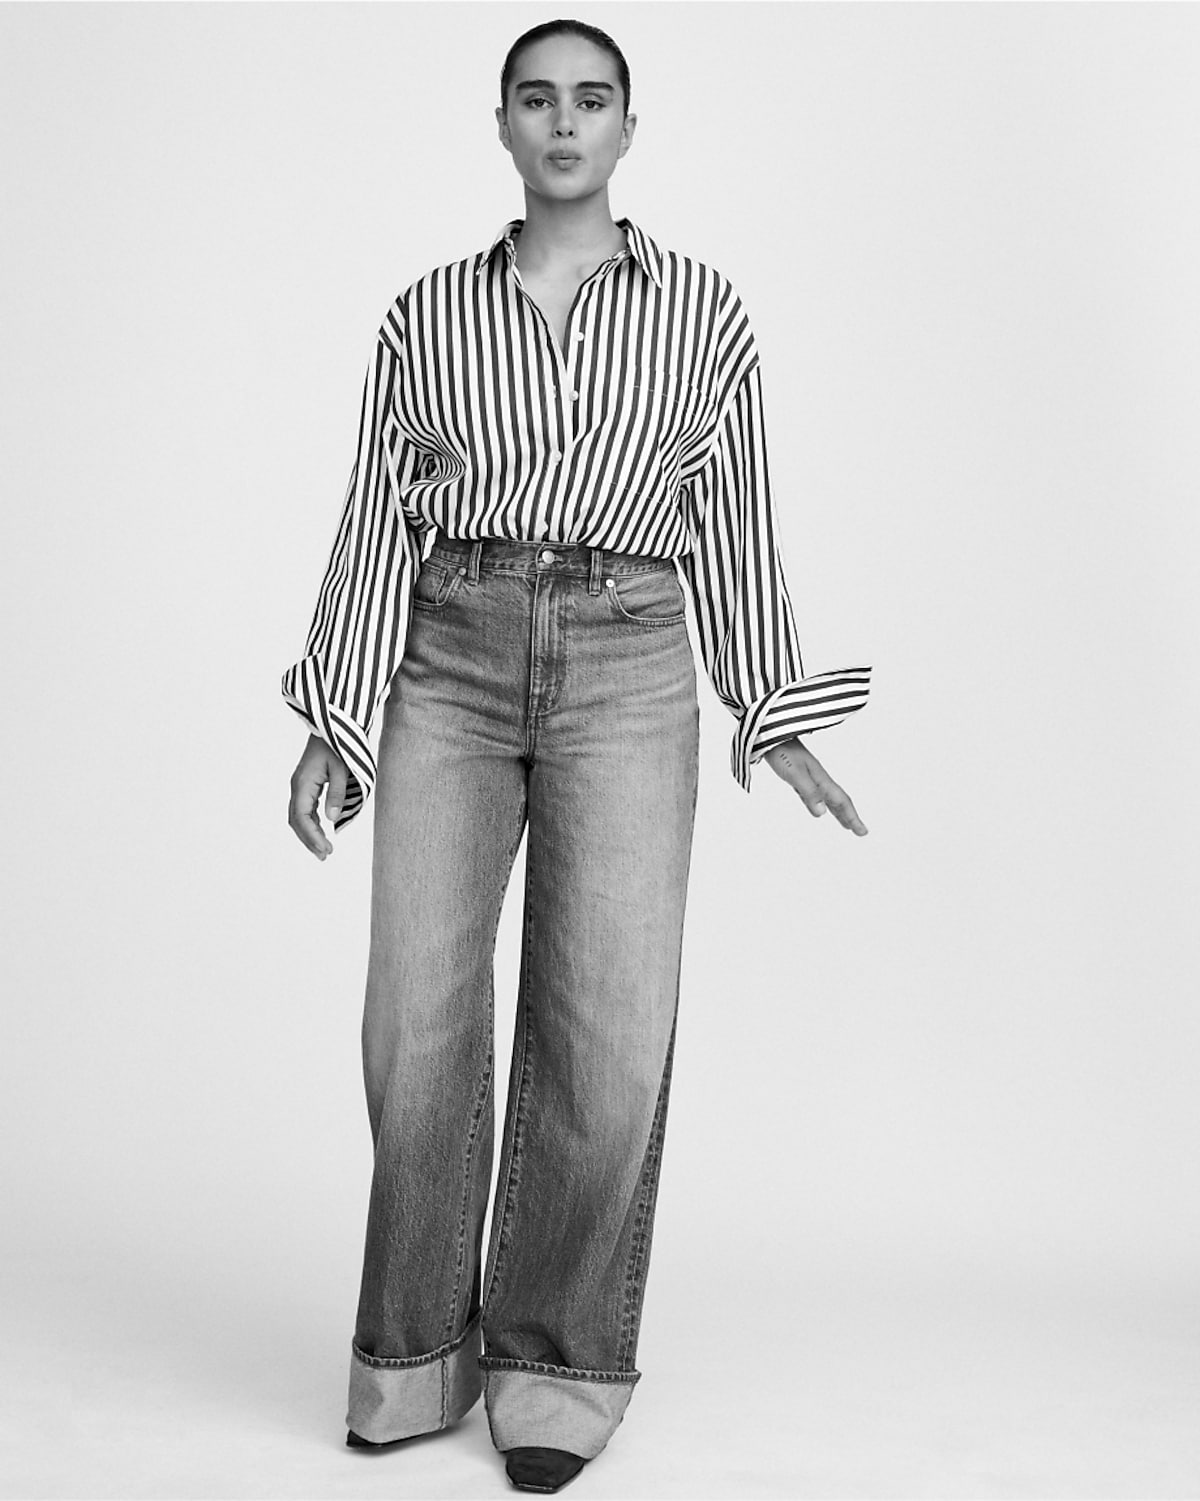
(655, 597)
(434, 586)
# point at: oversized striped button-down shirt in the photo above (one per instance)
(643, 434)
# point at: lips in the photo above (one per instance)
(564, 156)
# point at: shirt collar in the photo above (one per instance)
(643, 249)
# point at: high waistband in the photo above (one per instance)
(489, 554)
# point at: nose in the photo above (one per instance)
(562, 121)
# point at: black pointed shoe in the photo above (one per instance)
(535, 1468)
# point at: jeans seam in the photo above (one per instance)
(487, 1408)
(494, 1363)
(489, 1071)
(412, 1362)
(507, 1199)
(481, 1097)
(651, 1167)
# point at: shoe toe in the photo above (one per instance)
(536, 1468)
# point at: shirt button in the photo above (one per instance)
(555, 455)
(574, 395)
(546, 555)
(578, 337)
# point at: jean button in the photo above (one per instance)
(546, 555)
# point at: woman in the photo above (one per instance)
(572, 421)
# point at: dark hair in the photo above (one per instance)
(563, 27)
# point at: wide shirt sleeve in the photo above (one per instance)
(745, 622)
(356, 639)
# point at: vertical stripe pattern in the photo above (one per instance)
(642, 433)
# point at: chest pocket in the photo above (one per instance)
(676, 410)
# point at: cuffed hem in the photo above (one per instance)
(400, 1398)
(529, 1403)
(817, 702)
(304, 691)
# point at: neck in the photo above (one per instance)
(556, 232)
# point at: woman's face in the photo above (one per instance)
(565, 120)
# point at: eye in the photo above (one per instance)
(536, 99)
(599, 103)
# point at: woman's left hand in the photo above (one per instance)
(796, 764)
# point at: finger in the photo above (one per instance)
(843, 809)
(302, 816)
(335, 797)
(796, 763)
(808, 790)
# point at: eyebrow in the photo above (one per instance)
(545, 83)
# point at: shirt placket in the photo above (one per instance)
(568, 386)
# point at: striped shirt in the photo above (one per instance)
(645, 434)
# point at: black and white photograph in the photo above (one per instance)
(602, 618)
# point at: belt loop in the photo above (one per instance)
(596, 570)
(473, 565)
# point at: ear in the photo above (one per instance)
(502, 123)
(627, 131)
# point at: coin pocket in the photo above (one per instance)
(434, 586)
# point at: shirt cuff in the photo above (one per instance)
(796, 708)
(304, 690)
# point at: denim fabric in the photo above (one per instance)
(548, 687)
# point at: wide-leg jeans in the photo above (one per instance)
(549, 686)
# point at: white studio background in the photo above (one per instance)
(929, 1221)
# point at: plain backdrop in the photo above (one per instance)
(929, 1222)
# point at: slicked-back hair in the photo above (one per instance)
(563, 27)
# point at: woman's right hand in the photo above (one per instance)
(319, 764)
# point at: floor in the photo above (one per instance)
(862, 1378)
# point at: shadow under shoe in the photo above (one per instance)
(354, 1441)
(536, 1468)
